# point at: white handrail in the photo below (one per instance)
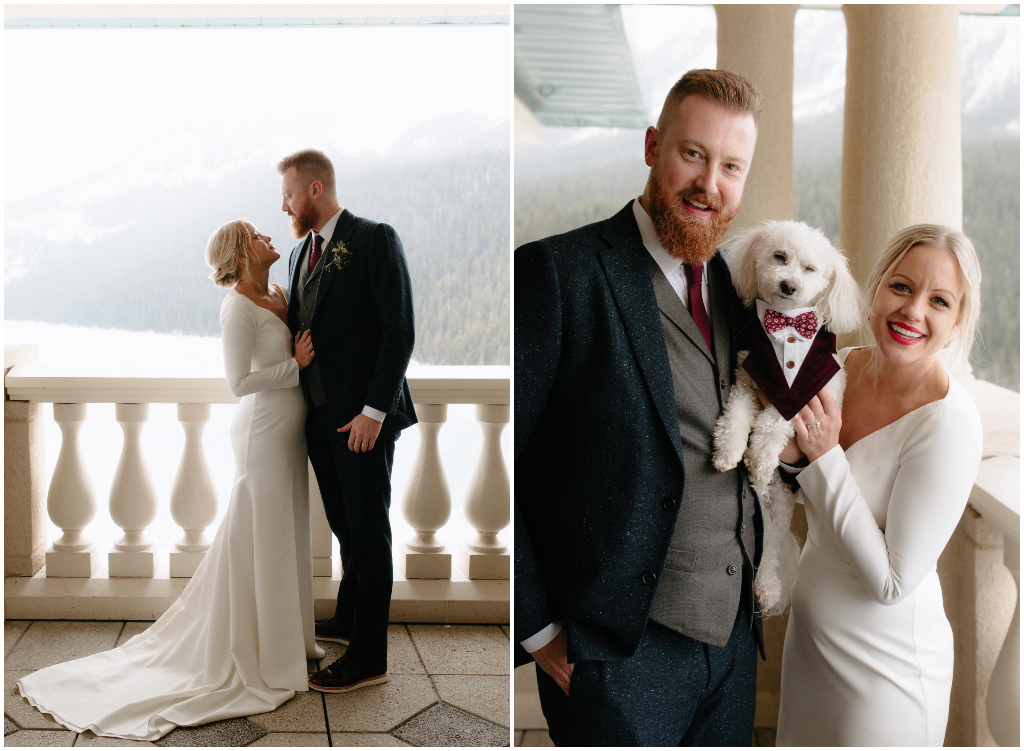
(206, 384)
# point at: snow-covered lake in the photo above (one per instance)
(163, 439)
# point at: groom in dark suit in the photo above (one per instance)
(634, 558)
(349, 287)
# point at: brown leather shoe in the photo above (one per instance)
(346, 674)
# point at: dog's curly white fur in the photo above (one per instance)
(788, 265)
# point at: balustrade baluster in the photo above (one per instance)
(133, 502)
(71, 502)
(1003, 705)
(193, 497)
(428, 502)
(486, 507)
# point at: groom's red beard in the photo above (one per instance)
(683, 236)
(303, 222)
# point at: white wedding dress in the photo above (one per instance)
(868, 656)
(235, 643)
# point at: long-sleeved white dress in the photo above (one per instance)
(868, 656)
(235, 643)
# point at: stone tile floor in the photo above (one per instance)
(449, 687)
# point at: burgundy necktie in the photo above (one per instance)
(694, 273)
(318, 250)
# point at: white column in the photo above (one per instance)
(133, 501)
(193, 498)
(323, 538)
(756, 41)
(1003, 705)
(487, 501)
(428, 502)
(71, 502)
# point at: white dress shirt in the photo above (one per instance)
(673, 270)
(670, 266)
(790, 345)
(327, 232)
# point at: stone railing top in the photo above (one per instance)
(999, 409)
(996, 495)
(204, 383)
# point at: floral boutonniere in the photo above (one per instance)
(339, 256)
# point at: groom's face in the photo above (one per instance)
(699, 163)
(297, 202)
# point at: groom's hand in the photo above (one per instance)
(362, 433)
(554, 661)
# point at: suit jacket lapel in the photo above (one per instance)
(343, 230)
(294, 272)
(670, 304)
(631, 286)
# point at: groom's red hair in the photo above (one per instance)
(310, 165)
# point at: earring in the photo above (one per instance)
(948, 342)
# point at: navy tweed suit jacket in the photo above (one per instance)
(597, 446)
(362, 324)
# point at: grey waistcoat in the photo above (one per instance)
(700, 587)
(305, 291)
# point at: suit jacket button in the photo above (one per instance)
(649, 578)
(731, 570)
(668, 503)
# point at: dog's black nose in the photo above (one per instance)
(787, 288)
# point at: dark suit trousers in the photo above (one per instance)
(356, 490)
(673, 691)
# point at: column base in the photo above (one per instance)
(425, 565)
(78, 565)
(141, 564)
(484, 565)
(184, 565)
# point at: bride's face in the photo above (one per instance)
(261, 248)
(917, 307)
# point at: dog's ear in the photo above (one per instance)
(742, 261)
(842, 307)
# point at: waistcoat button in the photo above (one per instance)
(668, 503)
(731, 570)
(649, 578)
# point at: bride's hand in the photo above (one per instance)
(817, 425)
(303, 349)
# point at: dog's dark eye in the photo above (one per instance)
(780, 257)
(809, 269)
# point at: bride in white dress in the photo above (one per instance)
(236, 642)
(868, 656)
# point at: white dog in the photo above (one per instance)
(782, 268)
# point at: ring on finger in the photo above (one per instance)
(814, 424)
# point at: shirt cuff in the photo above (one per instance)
(542, 638)
(376, 414)
(793, 469)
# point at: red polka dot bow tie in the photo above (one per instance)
(805, 323)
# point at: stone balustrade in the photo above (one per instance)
(426, 581)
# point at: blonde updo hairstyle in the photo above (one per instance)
(958, 245)
(225, 245)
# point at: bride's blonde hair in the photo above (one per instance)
(225, 245)
(958, 245)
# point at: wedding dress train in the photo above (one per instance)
(235, 643)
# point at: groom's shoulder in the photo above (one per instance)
(587, 239)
